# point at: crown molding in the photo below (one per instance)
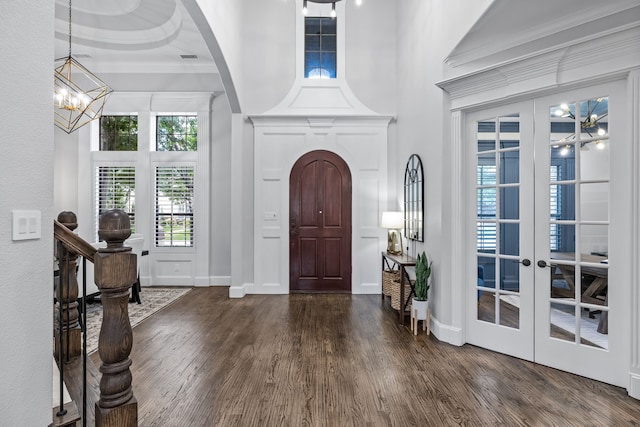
(608, 57)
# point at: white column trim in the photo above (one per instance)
(202, 239)
(633, 108)
(456, 334)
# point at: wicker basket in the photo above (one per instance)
(395, 294)
(388, 278)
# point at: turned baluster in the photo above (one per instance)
(67, 293)
(115, 273)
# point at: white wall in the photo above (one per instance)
(26, 173)
(279, 143)
(427, 32)
(220, 203)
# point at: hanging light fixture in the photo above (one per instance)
(79, 95)
(333, 5)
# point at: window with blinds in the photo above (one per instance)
(486, 208)
(174, 206)
(555, 205)
(115, 189)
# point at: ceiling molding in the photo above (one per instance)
(601, 59)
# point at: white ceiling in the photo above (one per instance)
(135, 37)
(513, 28)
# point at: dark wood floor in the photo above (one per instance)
(340, 360)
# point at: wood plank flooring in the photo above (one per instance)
(340, 360)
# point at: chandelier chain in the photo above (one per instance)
(69, 28)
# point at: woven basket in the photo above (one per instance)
(388, 278)
(395, 295)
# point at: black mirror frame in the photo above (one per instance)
(414, 199)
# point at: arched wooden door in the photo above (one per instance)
(320, 224)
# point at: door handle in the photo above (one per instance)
(542, 264)
(526, 262)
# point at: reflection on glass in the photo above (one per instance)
(563, 159)
(562, 202)
(486, 203)
(486, 237)
(594, 201)
(485, 145)
(509, 167)
(594, 240)
(486, 306)
(509, 275)
(562, 320)
(510, 203)
(563, 279)
(486, 169)
(510, 311)
(590, 323)
(594, 118)
(486, 272)
(562, 237)
(594, 160)
(486, 135)
(509, 239)
(563, 126)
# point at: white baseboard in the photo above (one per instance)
(240, 291)
(219, 280)
(201, 282)
(634, 385)
(446, 333)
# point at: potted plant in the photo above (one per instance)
(420, 304)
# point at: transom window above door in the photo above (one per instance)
(320, 48)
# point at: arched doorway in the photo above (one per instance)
(320, 224)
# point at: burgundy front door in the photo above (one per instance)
(320, 224)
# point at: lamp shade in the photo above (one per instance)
(392, 220)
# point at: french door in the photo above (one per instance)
(548, 284)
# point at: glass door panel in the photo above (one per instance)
(499, 153)
(577, 139)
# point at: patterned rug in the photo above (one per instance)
(153, 299)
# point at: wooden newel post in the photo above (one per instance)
(67, 295)
(115, 272)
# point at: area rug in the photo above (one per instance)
(153, 299)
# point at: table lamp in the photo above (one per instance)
(393, 221)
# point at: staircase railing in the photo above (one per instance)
(115, 273)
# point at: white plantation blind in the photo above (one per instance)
(174, 206)
(115, 189)
(555, 206)
(486, 208)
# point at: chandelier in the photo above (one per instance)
(333, 5)
(79, 95)
(590, 124)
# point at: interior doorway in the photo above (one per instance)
(547, 285)
(320, 224)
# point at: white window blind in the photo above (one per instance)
(115, 189)
(486, 208)
(555, 205)
(174, 206)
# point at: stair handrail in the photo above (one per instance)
(72, 241)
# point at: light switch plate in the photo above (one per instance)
(26, 225)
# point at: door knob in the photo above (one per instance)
(542, 264)
(526, 262)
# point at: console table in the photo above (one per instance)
(401, 262)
